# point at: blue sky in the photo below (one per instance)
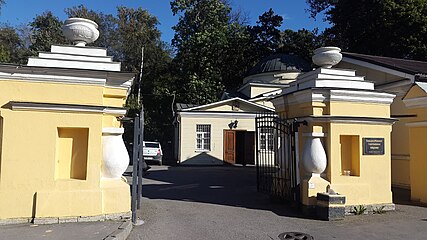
(17, 12)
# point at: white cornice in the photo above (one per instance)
(65, 108)
(349, 120)
(417, 124)
(218, 114)
(419, 102)
(219, 103)
(51, 78)
(337, 95)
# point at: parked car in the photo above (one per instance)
(152, 151)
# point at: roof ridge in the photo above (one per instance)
(367, 55)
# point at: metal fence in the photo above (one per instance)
(276, 158)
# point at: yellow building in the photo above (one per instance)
(346, 144)
(61, 153)
(398, 76)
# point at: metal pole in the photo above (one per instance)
(141, 158)
(135, 168)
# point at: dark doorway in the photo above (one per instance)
(239, 147)
(245, 147)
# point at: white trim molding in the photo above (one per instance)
(417, 124)
(226, 101)
(53, 107)
(349, 120)
(419, 102)
(219, 114)
(336, 95)
(52, 78)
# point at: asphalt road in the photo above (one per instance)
(186, 203)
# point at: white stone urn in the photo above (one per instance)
(314, 159)
(327, 56)
(115, 157)
(80, 31)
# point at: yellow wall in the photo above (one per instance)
(418, 164)
(50, 162)
(418, 150)
(373, 186)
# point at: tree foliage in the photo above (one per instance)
(12, 49)
(395, 28)
(46, 31)
(266, 35)
(201, 37)
(302, 42)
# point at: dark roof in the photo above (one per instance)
(403, 65)
(233, 94)
(281, 62)
(182, 106)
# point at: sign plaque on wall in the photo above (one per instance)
(373, 146)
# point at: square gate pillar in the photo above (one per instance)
(346, 146)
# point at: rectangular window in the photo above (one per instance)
(203, 137)
(266, 139)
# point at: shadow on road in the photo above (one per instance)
(222, 185)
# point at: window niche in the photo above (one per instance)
(71, 153)
(350, 155)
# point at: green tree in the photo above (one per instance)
(266, 35)
(395, 28)
(200, 37)
(46, 31)
(210, 45)
(12, 48)
(302, 42)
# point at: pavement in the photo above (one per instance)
(222, 203)
(186, 203)
(63, 231)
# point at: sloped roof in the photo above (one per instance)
(402, 65)
(281, 62)
(182, 106)
(226, 101)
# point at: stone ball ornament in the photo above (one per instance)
(80, 31)
(327, 56)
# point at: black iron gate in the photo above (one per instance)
(276, 156)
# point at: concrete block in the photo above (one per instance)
(41, 221)
(14, 221)
(67, 219)
(91, 218)
(118, 216)
(330, 207)
(122, 232)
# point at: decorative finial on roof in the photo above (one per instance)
(80, 31)
(327, 57)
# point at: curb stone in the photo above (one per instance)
(122, 232)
